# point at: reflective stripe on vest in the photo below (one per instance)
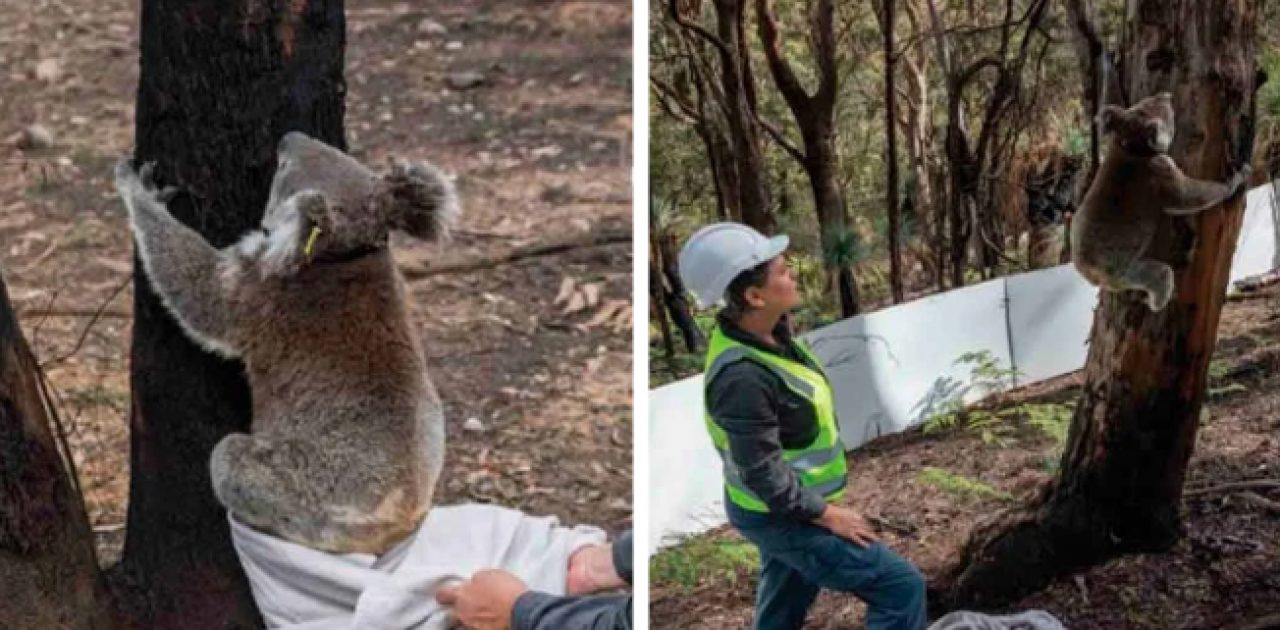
(820, 465)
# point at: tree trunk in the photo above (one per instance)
(1089, 56)
(891, 152)
(814, 114)
(659, 310)
(747, 153)
(833, 220)
(1121, 477)
(675, 297)
(220, 84)
(48, 572)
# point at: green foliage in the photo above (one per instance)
(1219, 369)
(959, 485)
(1076, 142)
(664, 369)
(986, 374)
(703, 559)
(1269, 93)
(842, 248)
(1052, 419)
(994, 425)
(986, 370)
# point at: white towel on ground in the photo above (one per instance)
(968, 620)
(299, 588)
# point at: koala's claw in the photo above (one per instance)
(1243, 175)
(147, 175)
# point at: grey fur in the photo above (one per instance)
(348, 434)
(1138, 184)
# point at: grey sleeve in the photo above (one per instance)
(542, 611)
(622, 550)
(743, 401)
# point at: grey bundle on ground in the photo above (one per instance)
(1027, 620)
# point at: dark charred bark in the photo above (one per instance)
(220, 84)
(48, 572)
(1121, 478)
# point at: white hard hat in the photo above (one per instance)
(717, 253)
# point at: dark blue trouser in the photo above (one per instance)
(799, 559)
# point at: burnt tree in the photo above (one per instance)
(1121, 477)
(814, 115)
(48, 572)
(219, 85)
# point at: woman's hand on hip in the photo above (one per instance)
(847, 523)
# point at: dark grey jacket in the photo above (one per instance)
(761, 417)
(542, 611)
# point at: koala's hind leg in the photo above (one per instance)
(1151, 277)
(288, 488)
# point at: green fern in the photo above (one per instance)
(960, 485)
(703, 558)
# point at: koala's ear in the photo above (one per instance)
(1109, 118)
(420, 200)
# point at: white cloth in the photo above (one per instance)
(299, 588)
(967, 620)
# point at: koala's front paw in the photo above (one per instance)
(1241, 178)
(1158, 297)
(140, 187)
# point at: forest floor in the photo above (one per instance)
(933, 487)
(528, 103)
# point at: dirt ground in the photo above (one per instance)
(1226, 570)
(528, 103)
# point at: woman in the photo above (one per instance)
(771, 414)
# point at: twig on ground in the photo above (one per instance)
(84, 333)
(595, 238)
(1257, 500)
(112, 313)
(1254, 484)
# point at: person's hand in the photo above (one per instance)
(847, 523)
(591, 569)
(485, 601)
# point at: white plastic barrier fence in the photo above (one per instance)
(895, 367)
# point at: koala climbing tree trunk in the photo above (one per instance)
(48, 573)
(220, 84)
(1122, 473)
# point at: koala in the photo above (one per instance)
(1136, 185)
(348, 435)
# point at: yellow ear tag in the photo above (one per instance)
(310, 247)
